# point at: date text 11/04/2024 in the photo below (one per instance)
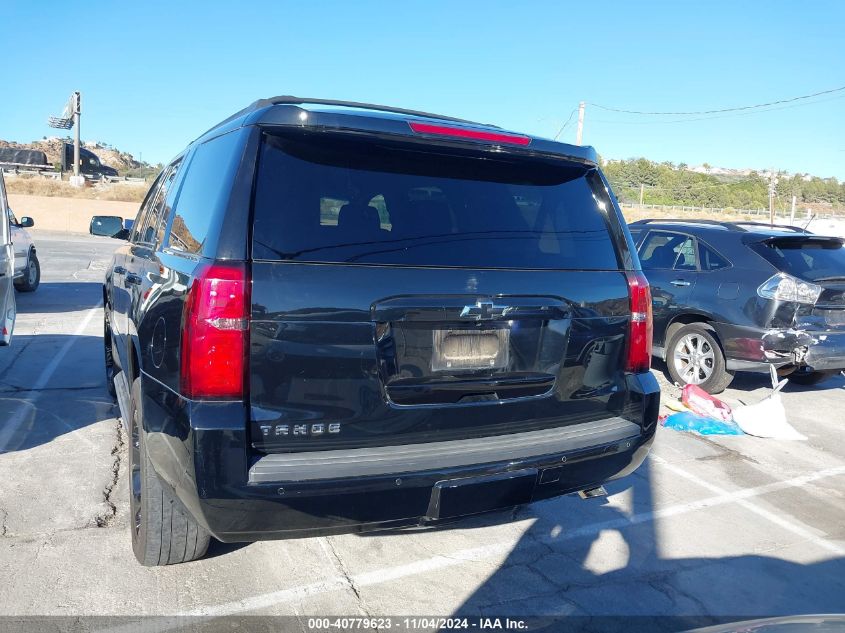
(418, 623)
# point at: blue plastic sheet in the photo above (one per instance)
(686, 421)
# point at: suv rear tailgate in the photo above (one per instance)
(413, 295)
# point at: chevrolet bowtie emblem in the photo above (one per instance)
(485, 310)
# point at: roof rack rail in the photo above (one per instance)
(736, 225)
(731, 226)
(784, 227)
(291, 100)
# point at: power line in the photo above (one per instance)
(717, 116)
(721, 110)
(563, 127)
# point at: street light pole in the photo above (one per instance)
(77, 111)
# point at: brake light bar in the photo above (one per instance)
(640, 328)
(469, 133)
(215, 333)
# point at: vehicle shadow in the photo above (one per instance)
(751, 381)
(603, 565)
(54, 297)
(40, 399)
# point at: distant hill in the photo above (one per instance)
(716, 187)
(124, 162)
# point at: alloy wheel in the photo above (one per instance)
(694, 359)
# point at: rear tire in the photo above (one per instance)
(163, 531)
(694, 356)
(810, 378)
(31, 276)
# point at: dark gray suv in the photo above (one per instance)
(733, 296)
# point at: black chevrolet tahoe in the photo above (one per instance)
(334, 317)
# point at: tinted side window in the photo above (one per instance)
(153, 226)
(710, 259)
(686, 256)
(658, 251)
(204, 192)
(636, 234)
(164, 202)
(143, 212)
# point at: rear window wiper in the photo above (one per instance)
(832, 278)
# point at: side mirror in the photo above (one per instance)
(27, 222)
(108, 226)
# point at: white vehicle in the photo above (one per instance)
(27, 268)
(7, 259)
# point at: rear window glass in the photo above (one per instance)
(355, 202)
(810, 259)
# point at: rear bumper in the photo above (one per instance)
(755, 349)
(241, 496)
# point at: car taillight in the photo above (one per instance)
(640, 328)
(215, 330)
(470, 133)
(783, 287)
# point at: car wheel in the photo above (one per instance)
(31, 276)
(111, 370)
(694, 356)
(808, 378)
(163, 531)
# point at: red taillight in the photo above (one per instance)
(640, 329)
(463, 132)
(215, 333)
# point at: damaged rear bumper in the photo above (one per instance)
(755, 349)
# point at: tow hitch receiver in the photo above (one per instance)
(592, 493)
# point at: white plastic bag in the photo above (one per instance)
(767, 418)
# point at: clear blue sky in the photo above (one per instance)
(155, 75)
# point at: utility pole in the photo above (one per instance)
(792, 213)
(76, 100)
(642, 190)
(579, 135)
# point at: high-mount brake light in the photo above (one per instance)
(640, 329)
(469, 133)
(215, 333)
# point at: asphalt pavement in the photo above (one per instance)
(733, 526)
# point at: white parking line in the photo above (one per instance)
(790, 526)
(478, 554)
(14, 421)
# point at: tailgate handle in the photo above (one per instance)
(679, 282)
(439, 308)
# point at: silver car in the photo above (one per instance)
(7, 262)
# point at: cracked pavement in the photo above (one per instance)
(717, 526)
